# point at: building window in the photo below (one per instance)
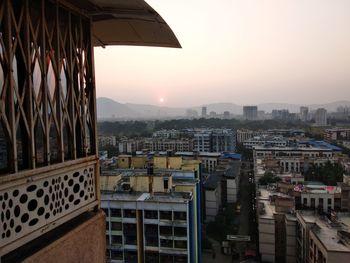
(116, 226)
(166, 183)
(180, 243)
(130, 213)
(180, 231)
(180, 216)
(166, 243)
(166, 230)
(165, 215)
(115, 212)
(151, 235)
(151, 214)
(117, 255)
(117, 240)
(329, 201)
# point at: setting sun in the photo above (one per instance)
(161, 100)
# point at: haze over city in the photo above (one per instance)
(245, 52)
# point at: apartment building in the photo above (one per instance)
(304, 114)
(273, 141)
(104, 140)
(321, 117)
(323, 238)
(202, 141)
(156, 145)
(215, 140)
(276, 227)
(130, 146)
(337, 134)
(308, 149)
(152, 217)
(167, 134)
(244, 135)
(212, 197)
(250, 112)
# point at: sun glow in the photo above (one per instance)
(161, 100)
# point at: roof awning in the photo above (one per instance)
(127, 22)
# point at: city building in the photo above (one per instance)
(337, 134)
(322, 238)
(215, 140)
(209, 160)
(104, 140)
(308, 148)
(154, 214)
(304, 114)
(49, 186)
(212, 197)
(155, 144)
(202, 141)
(244, 134)
(250, 113)
(130, 145)
(321, 117)
(274, 141)
(167, 134)
(204, 112)
(276, 227)
(226, 115)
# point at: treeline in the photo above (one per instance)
(329, 174)
(145, 128)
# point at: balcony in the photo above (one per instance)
(37, 201)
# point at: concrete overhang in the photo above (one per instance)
(126, 22)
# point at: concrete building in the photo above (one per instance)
(274, 141)
(276, 226)
(167, 134)
(204, 112)
(202, 141)
(304, 114)
(321, 117)
(157, 221)
(156, 145)
(309, 149)
(323, 239)
(244, 135)
(130, 145)
(214, 140)
(250, 113)
(212, 197)
(337, 134)
(49, 182)
(106, 141)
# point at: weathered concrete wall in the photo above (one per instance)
(86, 243)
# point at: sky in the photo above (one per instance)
(238, 51)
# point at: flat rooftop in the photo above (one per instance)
(327, 231)
(173, 197)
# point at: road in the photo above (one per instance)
(245, 200)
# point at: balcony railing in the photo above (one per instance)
(39, 200)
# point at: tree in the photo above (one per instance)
(329, 173)
(268, 178)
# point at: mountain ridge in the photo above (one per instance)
(109, 108)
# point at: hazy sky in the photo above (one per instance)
(239, 51)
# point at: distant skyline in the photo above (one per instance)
(238, 51)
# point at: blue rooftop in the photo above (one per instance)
(236, 156)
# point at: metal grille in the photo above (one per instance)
(48, 163)
(47, 93)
